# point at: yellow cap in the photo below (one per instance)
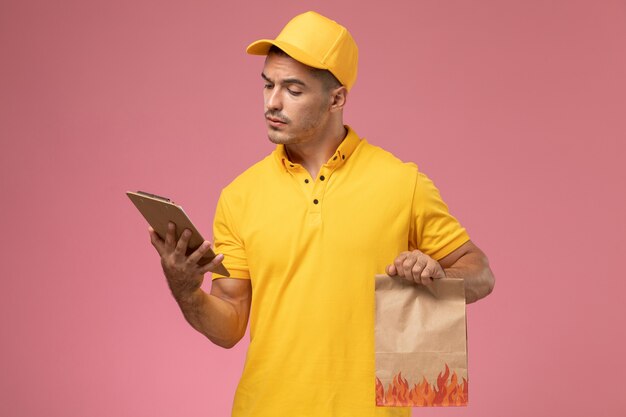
(318, 42)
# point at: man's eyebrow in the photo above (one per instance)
(285, 81)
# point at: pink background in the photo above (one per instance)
(515, 109)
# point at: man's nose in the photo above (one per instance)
(272, 100)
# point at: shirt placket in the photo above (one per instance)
(314, 189)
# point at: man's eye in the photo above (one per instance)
(294, 93)
(268, 86)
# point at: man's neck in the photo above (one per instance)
(312, 155)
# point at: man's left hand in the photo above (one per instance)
(416, 266)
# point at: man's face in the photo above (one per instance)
(297, 105)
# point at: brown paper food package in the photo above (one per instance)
(421, 343)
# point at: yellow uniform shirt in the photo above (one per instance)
(311, 248)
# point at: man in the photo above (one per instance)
(304, 231)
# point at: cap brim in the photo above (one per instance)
(262, 47)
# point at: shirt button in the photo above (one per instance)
(322, 178)
(291, 165)
(306, 181)
(343, 157)
(335, 158)
(315, 201)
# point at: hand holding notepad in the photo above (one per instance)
(160, 211)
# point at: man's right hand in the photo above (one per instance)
(184, 275)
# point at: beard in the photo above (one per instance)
(281, 137)
(277, 134)
(296, 132)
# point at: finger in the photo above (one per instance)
(199, 253)
(170, 236)
(418, 268)
(183, 242)
(425, 281)
(210, 267)
(434, 270)
(427, 272)
(156, 241)
(390, 270)
(426, 276)
(398, 264)
(412, 262)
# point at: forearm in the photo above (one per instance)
(476, 273)
(212, 316)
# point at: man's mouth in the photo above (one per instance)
(275, 122)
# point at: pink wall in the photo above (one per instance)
(515, 109)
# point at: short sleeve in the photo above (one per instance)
(228, 242)
(434, 230)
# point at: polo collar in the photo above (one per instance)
(341, 155)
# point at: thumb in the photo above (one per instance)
(391, 270)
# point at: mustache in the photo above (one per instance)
(277, 115)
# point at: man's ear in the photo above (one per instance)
(338, 98)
